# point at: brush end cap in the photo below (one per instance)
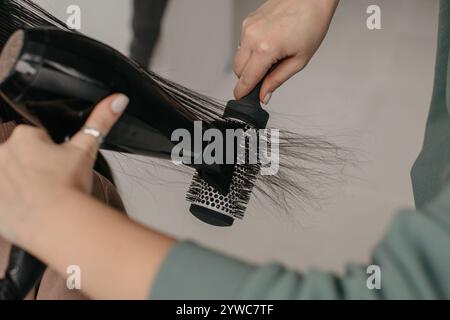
(211, 217)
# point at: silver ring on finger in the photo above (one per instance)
(94, 133)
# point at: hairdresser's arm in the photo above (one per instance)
(283, 34)
(46, 210)
(119, 259)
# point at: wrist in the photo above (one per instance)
(326, 6)
(41, 216)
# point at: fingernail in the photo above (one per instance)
(120, 104)
(267, 98)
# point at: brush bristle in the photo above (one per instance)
(233, 204)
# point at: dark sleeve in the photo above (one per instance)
(147, 19)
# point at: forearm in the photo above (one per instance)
(118, 258)
(327, 7)
(331, 4)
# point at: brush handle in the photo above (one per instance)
(248, 109)
(253, 97)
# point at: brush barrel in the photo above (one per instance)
(219, 207)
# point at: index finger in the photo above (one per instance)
(241, 58)
(99, 123)
(255, 70)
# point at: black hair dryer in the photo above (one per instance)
(53, 78)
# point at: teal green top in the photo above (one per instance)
(413, 257)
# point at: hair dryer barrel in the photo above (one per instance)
(54, 78)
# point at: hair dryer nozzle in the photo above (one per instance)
(54, 78)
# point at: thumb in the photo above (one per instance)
(99, 123)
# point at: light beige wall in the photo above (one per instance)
(367, 90)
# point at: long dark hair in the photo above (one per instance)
(304, 160)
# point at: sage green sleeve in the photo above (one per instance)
(413, 260)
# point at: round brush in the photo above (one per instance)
(219, 205)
